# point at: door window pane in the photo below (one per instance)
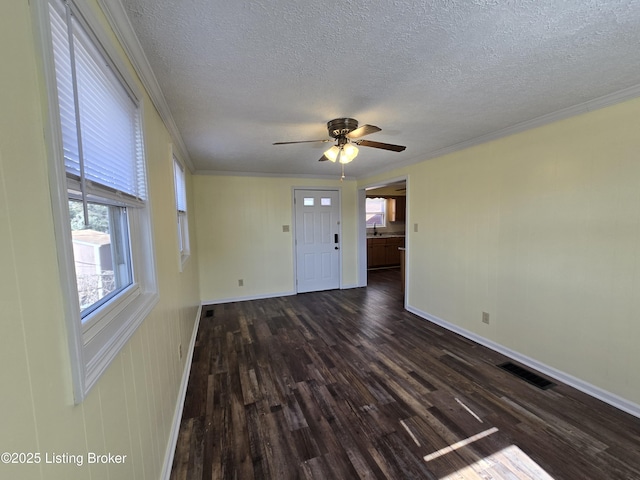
(308, 201)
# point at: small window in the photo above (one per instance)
(101, 252)
(309, 201)
(376, 212)
(325, 202)
(181, 209)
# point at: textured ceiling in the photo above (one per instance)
(240, 75)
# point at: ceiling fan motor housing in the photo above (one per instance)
(339, 127)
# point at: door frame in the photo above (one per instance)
(362, 231)
(294, 230)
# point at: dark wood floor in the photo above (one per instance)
(347, 384)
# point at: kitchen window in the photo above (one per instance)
(376, 212)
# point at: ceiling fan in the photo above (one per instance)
(346, 133)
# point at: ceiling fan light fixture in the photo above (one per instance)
(347, 134)
(348, 153)
(332, 153)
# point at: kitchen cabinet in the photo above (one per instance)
(400, 213)
(383, 252)
(396, 209)
(376, 252)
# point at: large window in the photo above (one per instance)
(105, 245)
(376, 212)
(181, 209)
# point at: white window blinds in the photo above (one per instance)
(100, 117)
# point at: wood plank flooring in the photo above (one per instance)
(347, 384)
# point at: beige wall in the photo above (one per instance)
(542, 230)
(239, 232)
(130, 410)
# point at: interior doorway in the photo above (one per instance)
(383, 228)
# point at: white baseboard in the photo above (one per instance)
(177, 414)
(262, 297)
(247, 298)
(596, 392)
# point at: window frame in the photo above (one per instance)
(95, 343)
(182, 215)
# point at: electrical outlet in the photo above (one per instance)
(180, 351)
(241, 283)
(485, 318)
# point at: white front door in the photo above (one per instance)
(317, 240)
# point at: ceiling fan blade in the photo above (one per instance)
(362, 131)
(301, 141)
(384, 146)
(323, 158)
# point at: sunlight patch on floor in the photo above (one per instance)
(508, 463)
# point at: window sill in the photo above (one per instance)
(102, 348)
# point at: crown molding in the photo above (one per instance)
(226, 173)
(121, 25)
(586, 107)
(119, 21)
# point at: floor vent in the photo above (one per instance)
(527, 376)
(208, 313)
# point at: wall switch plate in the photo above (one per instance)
(241, 283)
(415, 227)
(285, 228)
(485, 318)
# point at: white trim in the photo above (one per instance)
(362, 246)
(121, 25)
(249, 297)
(408, 235)
(362, 229)
(59, 199)
(589, 106)
(221, 301)
(99, 362)
(177, 413)
(89, 359)
(225, 173)
(585, 387)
